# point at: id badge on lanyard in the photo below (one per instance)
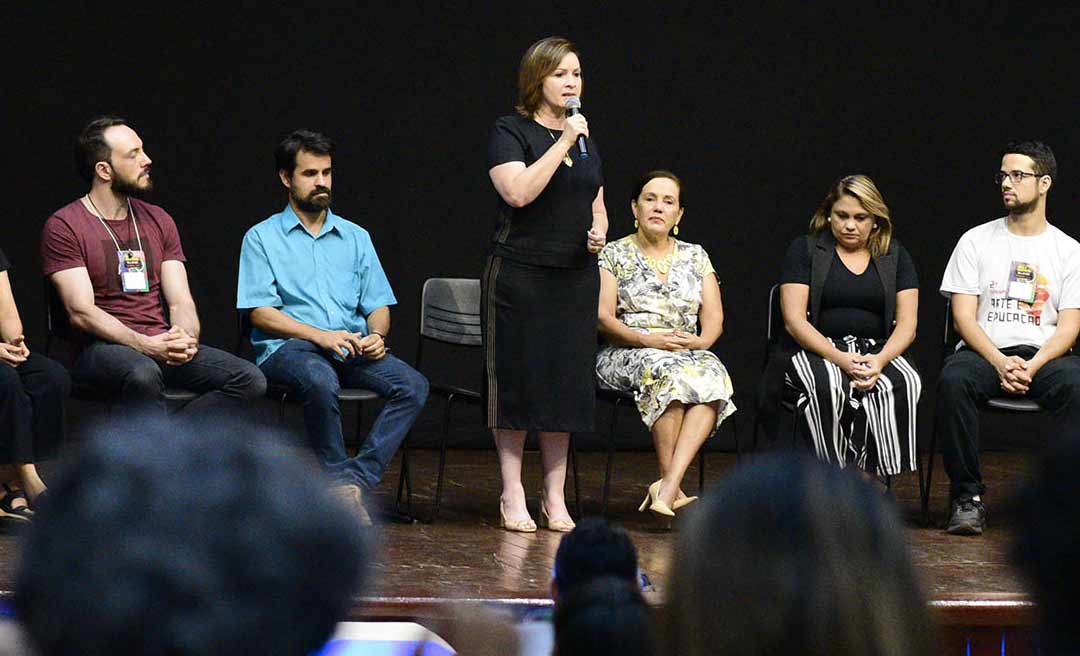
(133, 277)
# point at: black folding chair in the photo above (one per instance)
(774, 331)
(1000, 404)
(450, 315)
(58, 328)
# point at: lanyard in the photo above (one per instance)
(131, 213)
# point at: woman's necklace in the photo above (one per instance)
(663, 264)
(566, 159)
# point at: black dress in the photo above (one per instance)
(32, 399)
(540, 291)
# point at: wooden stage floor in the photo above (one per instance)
(466, 555)
(421, 569)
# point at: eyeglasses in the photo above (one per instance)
(1016, 176)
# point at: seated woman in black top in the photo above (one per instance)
(850, 299)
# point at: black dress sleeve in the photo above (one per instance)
(906, 276)
(506, 143)
(4, 263)
(796, 267)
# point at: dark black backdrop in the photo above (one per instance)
(758, 109)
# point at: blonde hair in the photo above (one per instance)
(537, 63)
(863, 189)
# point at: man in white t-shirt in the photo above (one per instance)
(1015, 288)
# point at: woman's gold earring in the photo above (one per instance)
(676, 229)
(635, 224)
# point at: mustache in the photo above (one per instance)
(319, 190)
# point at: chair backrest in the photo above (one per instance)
(57, 323)
(243, 330)
(775, 326)
(950, 338)
(450, 311)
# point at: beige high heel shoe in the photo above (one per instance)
(518, 526)
(557, 525)
(653, 503)
(683, 502)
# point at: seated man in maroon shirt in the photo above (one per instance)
(117, 263)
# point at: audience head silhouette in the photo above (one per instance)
(159, 540)
(593, 549)
(604, 616)
(791, 555)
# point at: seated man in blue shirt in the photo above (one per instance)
(319, 303)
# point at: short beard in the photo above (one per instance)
(131, 189)
(1023, 208)
(313, 203)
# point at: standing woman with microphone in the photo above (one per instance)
(541, 282)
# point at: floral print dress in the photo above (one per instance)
(646, 303)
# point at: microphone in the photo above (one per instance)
(573, 108)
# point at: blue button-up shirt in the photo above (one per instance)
(331, 281)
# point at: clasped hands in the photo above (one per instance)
(174, 347)
(351, 345)
(14, 353)
(1015, 373)
(863, 370)
(676, 340)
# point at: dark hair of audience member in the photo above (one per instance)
(294, 142)
(162, 540)
(594, 548)
(1047, 546)
(791, 555)
(605, 615)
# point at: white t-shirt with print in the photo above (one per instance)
(1021, 282)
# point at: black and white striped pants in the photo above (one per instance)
(873, 430)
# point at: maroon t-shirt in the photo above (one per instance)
(73, 237)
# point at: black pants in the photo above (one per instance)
(968, 381)
(138, 380)
(31, 408)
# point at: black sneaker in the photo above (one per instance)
(968, 517)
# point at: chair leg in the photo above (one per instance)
(281, 408)
(442, 456)
(735, 436)
(701, 470)
(404, 481)
(577, 479)
(610, 458)
(925, 489)
(795, 431)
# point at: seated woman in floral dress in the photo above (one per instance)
(654, 292)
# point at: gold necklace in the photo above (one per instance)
(566, 159)
(663, 264)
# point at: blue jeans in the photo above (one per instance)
(316, 377)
